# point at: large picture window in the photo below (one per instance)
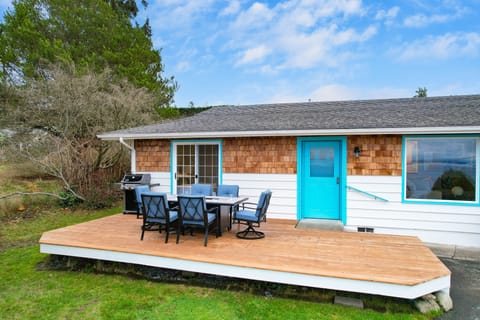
(443, 169)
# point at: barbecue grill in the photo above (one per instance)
(128, 184)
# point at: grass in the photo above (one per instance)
(29, 290)
(29, 293)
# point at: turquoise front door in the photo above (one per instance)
(320, 179)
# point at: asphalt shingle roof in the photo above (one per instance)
(451, 111)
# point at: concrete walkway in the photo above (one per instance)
(465, 290)
(464, 263)
(455, 252)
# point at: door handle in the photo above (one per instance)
(338, 180)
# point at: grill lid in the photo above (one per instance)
(136, 178)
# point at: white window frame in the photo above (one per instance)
(196, 143)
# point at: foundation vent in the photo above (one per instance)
(366, 229)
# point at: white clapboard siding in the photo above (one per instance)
(161, 178)
(283, 204)
(447, 224)
(415, 216)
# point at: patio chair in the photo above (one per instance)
(229, 190)
(156, 212)
(202, 189)
(139, 190)
(250, 215)
(194, 214)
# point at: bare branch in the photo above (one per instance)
(60, 118)
(10, 195)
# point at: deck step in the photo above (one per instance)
(320, 224)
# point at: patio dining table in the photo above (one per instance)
(230, 202)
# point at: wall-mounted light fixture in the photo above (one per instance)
(356, 151)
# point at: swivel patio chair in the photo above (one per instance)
(194, 214)
(250, 215)
(156, 212)
(139, 190)
(202, 189)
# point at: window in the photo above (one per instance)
(322, 162)
(441, 169)
(195, 162)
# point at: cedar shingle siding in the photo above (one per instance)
(381, 155)
(153, 155)
(260, 155)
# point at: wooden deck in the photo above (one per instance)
(388, 265)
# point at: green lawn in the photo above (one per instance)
(29, 290)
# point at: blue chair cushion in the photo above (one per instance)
(211, 218)
(139, 190)
(202, 189)
(227, 190)
(246, 215)
(154, 193)
(173, 218)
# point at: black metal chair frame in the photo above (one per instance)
(200, 214)
(250, 233)
(160, 205)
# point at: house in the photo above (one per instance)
(394, 166)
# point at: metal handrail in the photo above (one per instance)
(367, 194)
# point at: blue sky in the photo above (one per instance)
(248, 52)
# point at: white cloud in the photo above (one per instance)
(333, 92)
(254, 55)
(182, 66)
(459, 87)
(257, 15)
(421, 20)
(177, 15)
(454, 12)
(338, 92)
(232, 8)
(384, 93)
(441, 47)
(270, 36)
(328, 8)
(387, 15)
(298, 33)
(304, 50)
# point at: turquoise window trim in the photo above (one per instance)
(441, 202)
(195, 141)
(343, 176)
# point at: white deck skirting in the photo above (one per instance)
(368, 287)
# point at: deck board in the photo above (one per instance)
(390, 259)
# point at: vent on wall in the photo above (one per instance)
(365, 229)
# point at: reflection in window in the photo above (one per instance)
(441, 169)
(322, 162)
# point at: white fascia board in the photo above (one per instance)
(296, 133)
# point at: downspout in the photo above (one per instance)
(133, 157)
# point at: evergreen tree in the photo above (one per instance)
(90, 34)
